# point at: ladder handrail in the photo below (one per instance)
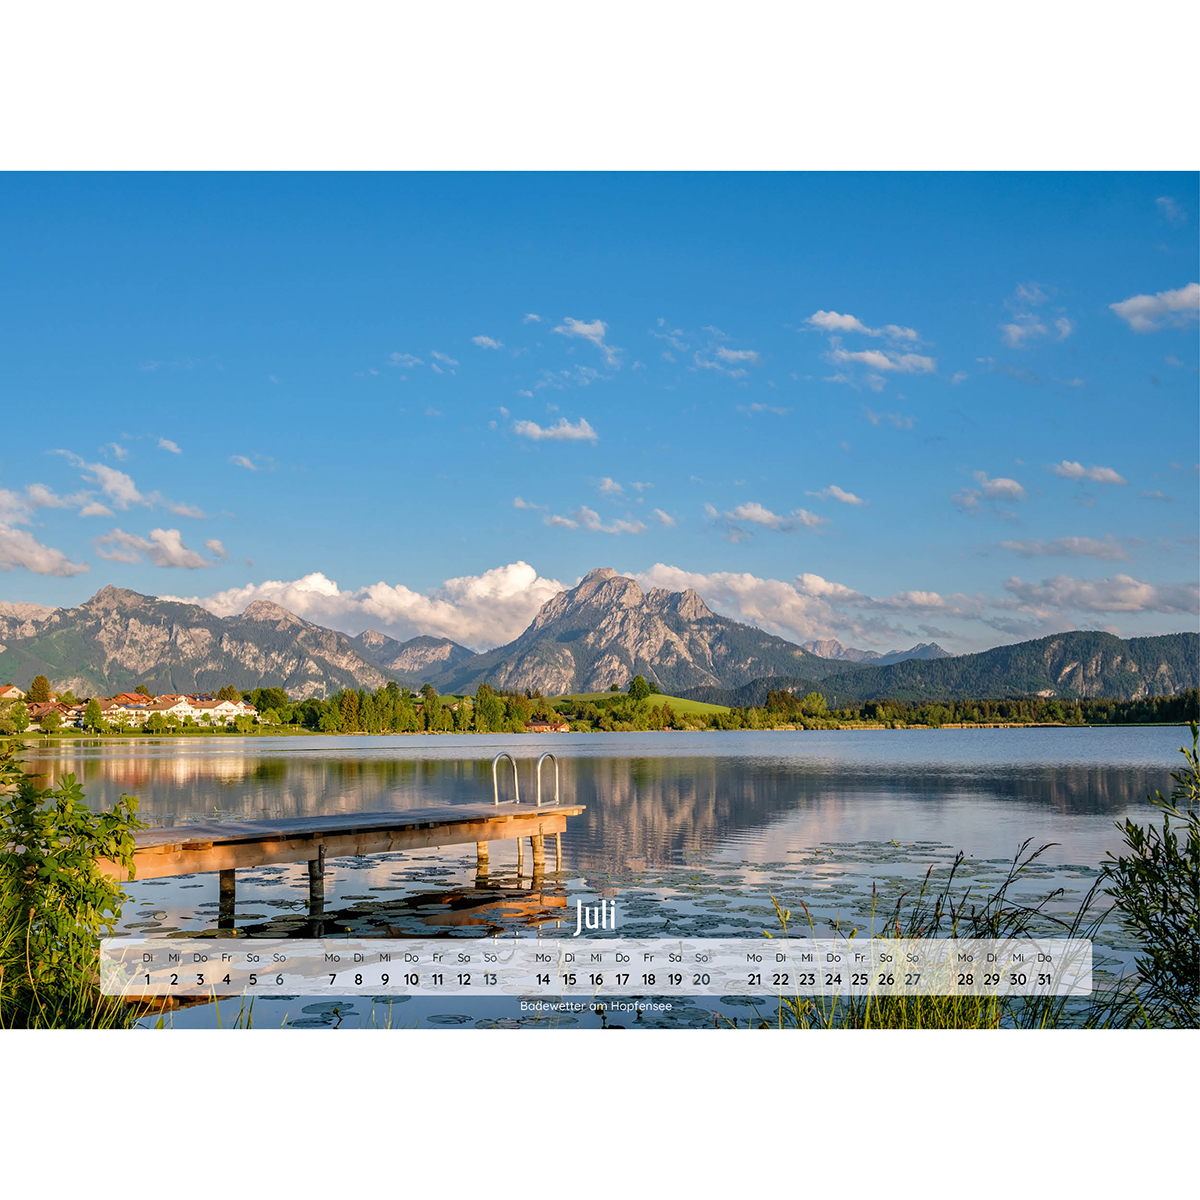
(496, 777)
(538, 774)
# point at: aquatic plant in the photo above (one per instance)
(943, 914)
(55, 902)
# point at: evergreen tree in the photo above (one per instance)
(39, 690)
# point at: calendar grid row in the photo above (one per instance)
(596, 966)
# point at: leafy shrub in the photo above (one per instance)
(55, 903)
(1155, 886)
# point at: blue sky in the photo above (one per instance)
(884, 408)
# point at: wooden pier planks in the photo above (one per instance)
(228, 846)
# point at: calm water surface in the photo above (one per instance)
(692, 833)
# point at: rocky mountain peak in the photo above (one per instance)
(268, 610)
(114, 597)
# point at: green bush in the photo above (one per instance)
(55, 904)
(1155, 886)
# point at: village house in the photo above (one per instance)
(11, 692)
(547, 727)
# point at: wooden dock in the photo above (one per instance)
(227, 846)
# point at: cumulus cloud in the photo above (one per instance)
(1173, 309)
(610, 487)
(164, 548)
(480, 611)
(664, 519)
(885, 360)
(168, 445)
(753, 513)
(809, 606)
(833, 492)
(216, 547)
(591, 331)
(835, 323)
(1000, 488)
(20, 549)
(1105, 549)
(1120, 593)
(488, 343)
(561, 431)
(120, 489)
(1025, 325)
(1074, 470)
(530, 317)
(404, 361)
(587, 518)
(738, 356)
(240, 460)
(518, 502)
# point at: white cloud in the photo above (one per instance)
(404, 360)
(488, 343)
(958, 377)
(479, 611)
(738, 356)
(834, 322)
(119, 452)
(897, 419)
(1174, 309)
(1018, 332)
(991, 489)
(610, 487)
(1171, 209)
(561, 431)
(445, 360)
(1105, 549)
(885, 360)
(999, 489)
(240, 460)
(164, 548)
(528, 317)
(589, 519)
(1120, 593)
(664, 519)
(753, 513)
(761, 408)
(185, 510)
(557, 522)
(215, 546)
(1074, 470)
(833, 492)
(95, 509)
(592, 331)
(120, 489)
(808, 606)
(520, 503)
(18, 548)
(1065, 328)
(167, 444)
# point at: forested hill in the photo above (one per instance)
(1066, 665)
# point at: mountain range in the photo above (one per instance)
(585, 639)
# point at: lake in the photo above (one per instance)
(690, 833)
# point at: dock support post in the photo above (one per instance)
(520, 856)
(316, 884)
(538, 841)
(227, 896)
(481, 856)
(557, 853)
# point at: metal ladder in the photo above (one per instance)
(537, 772)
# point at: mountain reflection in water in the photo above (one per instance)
(661, 799)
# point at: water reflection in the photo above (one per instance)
(752, 795)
